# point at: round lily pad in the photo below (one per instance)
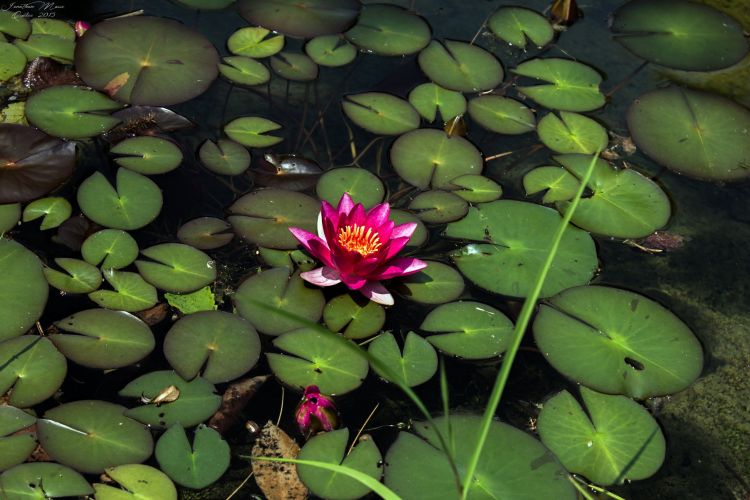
(110, 249)
(146, 60)
(438, 207)
(568, 85)
(612, 441)
(134, 203)
(354, 317)
(56, 27)
(54, 210)
(23, 289)
(276, 289)
(39, 480)
(255, 42)
(197, 465)
(224, 157)
(476, 188)
(380, 113)
(315, 358)
(438, 283)
(50, 46)
(701, 135)
(218, 345)
(205, 233)
(252, 131)
(290, 259)
(131, 292)
(32, 369)
(617, 342)
(429, 98)
(301, 19)
(14, 25)
(93, 435)
(517, 25)
(12, 61)
(680, 34)
(80, 276)
(502, 115)
(294, 66)
(512, 241)
(330, 50)
(469, 330)
(10, 215)
(362, 185)
(137, 481)
(196, 400)
(72, 112)
(148, 155)
(513, 464)
(389, 30)
(15, 446)
(99, 338)
(416, 365)
(264, 217)
(244, 71)
(572, 133)
(429, 157)
(559, 184)
(175, 267)
(460, 66)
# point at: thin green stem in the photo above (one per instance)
(585, 494)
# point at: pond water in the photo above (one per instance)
(701, 273)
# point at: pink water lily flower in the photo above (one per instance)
(358, 248)
(316, 412)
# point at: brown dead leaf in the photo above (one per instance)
(116, 83)
(278, 481)
(234, 400)
(154, 315)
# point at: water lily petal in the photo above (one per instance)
(305, 238)
(376, 292)
(404, 230)
(328, 213)
(353, 281)
(321, 233)
(394, 247)
(400, 267)
(322, 276)
(378, 215)
(345, 204)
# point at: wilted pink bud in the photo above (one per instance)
(316, 412)
(81, 27)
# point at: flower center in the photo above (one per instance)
(356, 239)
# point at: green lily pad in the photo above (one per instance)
(513, 239)
(15, 447)
(148, 155)
(110, 248)
(502, 115)
(429, 157)
(460, 66)
(193, 466)
(251, 131)
(12, 61)
(559, 184)
(176, 267)
(701, 135)
(193, 302)
(617, 342)
(477, 188)
(23, 290)
(680, 35)
(196, 402)
(389, 30)
(420, 234)
(330, 50)
(380, 113)
(10, 215)
(362, 185)
(14, 25)
(612, 441)
(56, 27)
(416, 365)
(291, 259)
(139, 482)
(512, 465)
(146, 60)
(438, 283)
(244, 71)
(277, 289)
(301, 19)
(72, 112)
(294, 66)
(469, 330)
(429, 98)
(572, 133)
(264, 217)
(254, 42)
(623, 203)
(54, 209)
(104, 339)
(134, 203)
(205, 233)
(223, 346)
(330, 447)
(51, 46)
(570, 85)
(31, 368)
(42, 480)
(93, 435)
(517, 25)
(224, 157)
(131, 292)
(315, 358)
(438, 207)
(353, 317)
(81, 276)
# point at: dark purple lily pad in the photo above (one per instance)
(304, 19)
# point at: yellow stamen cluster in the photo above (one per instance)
(356, 239)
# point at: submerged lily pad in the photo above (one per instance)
(438, 283)
(381, 113)
(81, 276)
(617, 342)
(512, 241)
(438, 207)
(314, 358)
(516, 24)
(54, 209)
(301, 19)
(294, 66)
(224, 157)
(429, 98)
(612, 441)
(572, 133)
(353, 317)
(701, 135)
(254, 42)
(416, 365)
(330, 50)
(140, 482)
(460, 66)
(244, 71)
(680, 34)
(23, 289)
(148, 155)
(205, 233)
(131, 292)
(110, 249)
(501, 115)
(362, 185)
(175, 267)
(193, 302)
(42, 480)
(146, 60)
(31, 368)
(570, 85)
(197, 465)
(252, 131)
(389, 30)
